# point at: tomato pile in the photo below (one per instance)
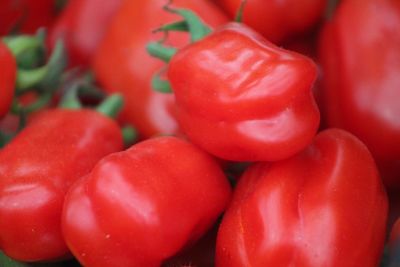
(200, 133)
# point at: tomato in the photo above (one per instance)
(242, 98)
(278, 20)
(326, 206)
(143, 205)
(36, 169)
(122, 64)
(81, 26)
(7, 78)
(360, 78)
(26, 16)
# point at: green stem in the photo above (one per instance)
(191, 23)
(174, 26)
(45, 77)
(161, 51)
(55, 67)
(23, 43)
(239, 13)
(160, 85)
(26, 79)
(111, 106)
(129, 135)
(71, 99)
(197, 28)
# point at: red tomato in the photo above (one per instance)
(36, 169)
(26, 16)
(323, 207)
(242, 98)
(7, 78)
(82, 26)
(277, 20)
(360, 56)
(142, 206)
(122, 63)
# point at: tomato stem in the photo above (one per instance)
(196, 27)
(45, 77)
(71, 100)
(190, 23)
(129, 135)
(111, 106)
(239, 13)
(25, 43)
(160, 85)
(174, 26)
(160, 51)
(26, 79)
(55, 67)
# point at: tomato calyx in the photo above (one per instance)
(160, 51)
(29, 52)
(32, 75)
(190, 23)
(109, 106)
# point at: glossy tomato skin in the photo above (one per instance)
(361, 83)
(82, 26)
(241, 98)
(26, 16)
(122, 63)
(36, 169)
(326, 206)
(278, 20)
(7, 78)
(143, 205)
